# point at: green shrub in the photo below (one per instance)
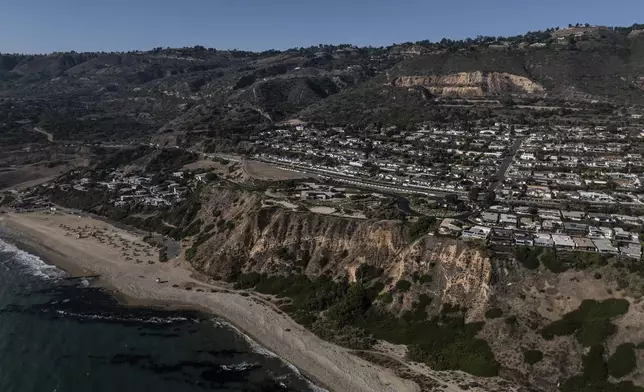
(386, 297)
(595, 331)
(532, 356)
(350, 319)
(248, 281)
(7, 199)
(449, 308)
(511, 320)
(528, 257)
(550, 261)
(454, 346)
(418, 312)
(324, 261)
(424, 300)
(163, 256)
(493, 313)
(595, 368)
(425, 279)
(424, 225)
(403, 285)
(191, 253)
(623, 361)
(366, 273)
(283, 253)
(350, 307)
(590, 322)
(594, 377)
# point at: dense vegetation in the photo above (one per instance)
(349, 314)
(556, 261)
(594, 377)
(528, 256)
(623, 361)
(532, 356)
(591, 322)
(424, 225)
(493, 313)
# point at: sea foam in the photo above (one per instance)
(31, 263)
(257, 348)
(147, 320)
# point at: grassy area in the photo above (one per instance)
(591, 322)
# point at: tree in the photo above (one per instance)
(451, 198)
(490, 197)
(474, 193)
(163, 256)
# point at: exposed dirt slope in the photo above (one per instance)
(472, 83)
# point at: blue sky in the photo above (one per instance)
(38, 26)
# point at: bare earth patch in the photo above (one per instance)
(268, 172)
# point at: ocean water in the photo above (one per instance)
(59, 335)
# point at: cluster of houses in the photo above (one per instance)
(578, 163)
(427, 158)
(129, 189)
(313, 191)
(565, 230)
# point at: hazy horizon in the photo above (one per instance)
(40, 26)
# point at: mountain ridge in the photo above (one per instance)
(155, 91)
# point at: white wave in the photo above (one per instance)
(315, 387)
(238, 367)
(150, 320)
(32, 263)
(257, 348)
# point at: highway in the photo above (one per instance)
(365, 183)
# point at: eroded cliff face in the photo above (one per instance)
(245, 237)
(472, 83)
(277, 241)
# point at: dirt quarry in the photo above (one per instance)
(474, 84)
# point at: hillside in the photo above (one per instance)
(385, 284)
(439, 301)
(111, 96)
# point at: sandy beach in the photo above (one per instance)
(130, 267)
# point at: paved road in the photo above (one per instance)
(500, 174)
